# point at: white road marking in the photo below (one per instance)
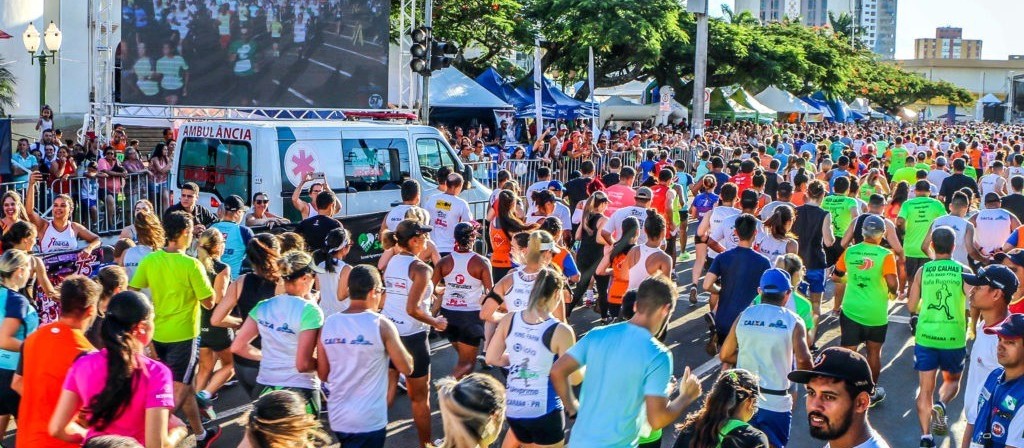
(296, 93)
(328, 67)
(355, 53)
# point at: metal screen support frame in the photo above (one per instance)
(99, 119)
(408, 82)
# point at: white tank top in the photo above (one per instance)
(1014, 171)
(359, 372)
(959, 226)
(764, 336)
(993, 229)
(987, 183)
(769, 246)
(396, 285)
(329, 302)
(517, 298)
(529, 391)
(462, 291)
(54, 240)
(312, 211)
(718, 216)
(638, 272)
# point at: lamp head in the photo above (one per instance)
(53, 37)
(31, 38)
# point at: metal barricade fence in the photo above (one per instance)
(102, 205)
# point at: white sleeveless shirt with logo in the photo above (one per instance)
(54, 240)
(396, 285)
(517, 298)
(638, 272)
(529, 390)
(462, 291)
(993, 228)
(764, 336)
(359, 372)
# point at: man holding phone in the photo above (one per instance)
(319, 184)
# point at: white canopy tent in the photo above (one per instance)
(783, 102)
(632, 90)
(617, 108)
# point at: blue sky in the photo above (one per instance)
(996, 22)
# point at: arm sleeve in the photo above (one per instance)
(312, 318)
(579, 350)
(160, 387)
(569, 266)
(200, 282)
(1012, 240)
(657, 376)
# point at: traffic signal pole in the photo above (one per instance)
(428, 21)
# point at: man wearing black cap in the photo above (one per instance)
(839, 389)
(993, 287)
(869, 271)
(936, 302)
(236, 236)
(998, 424)
(994, 225)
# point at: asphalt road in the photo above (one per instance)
(895, 418)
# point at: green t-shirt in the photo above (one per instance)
(178, 283)
(942, 322)
(245, 53)
(919, 213)
(908, 174)
(802, 306)
(839, 206)
(836, 148)
(881, 146)
(970, 171)
(922, 166)
(866, 297)
(898, 159)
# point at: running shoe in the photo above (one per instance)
(940, 423)
(712, 346)
(693, 295)
(913, 324)
(212, 434)
(401, 383)
(927, 442)
(684, 257)
(878, 397)
(588, 298)
(205, 403)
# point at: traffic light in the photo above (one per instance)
(420, 50)
(441, 55)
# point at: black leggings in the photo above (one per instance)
(602, 293)
(246, 376)
(586, 273)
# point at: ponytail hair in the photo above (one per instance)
(208, 241)
(263, 251)
(126, 310)
(279, 419)
(776, 223)
(539, 240)
(472, 410)
(590, 209)
(546, 291)
(792, 264)
(630, 230)
(336, 241)
(727, 395)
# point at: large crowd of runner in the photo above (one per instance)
(923, 214)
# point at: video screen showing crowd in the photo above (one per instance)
(284, 53)
(557, 298)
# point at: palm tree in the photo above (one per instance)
(743, 18)
(844, 25)
(7, 83)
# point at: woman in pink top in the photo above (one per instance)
(125, 392)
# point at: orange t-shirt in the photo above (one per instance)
(620, 280)
(797, 198)
(502, 245)
(47, 355)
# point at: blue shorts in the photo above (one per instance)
(373, 439)
(773, 424)
(814, 282)
(951, 360)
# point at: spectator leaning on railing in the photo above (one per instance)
(60, 234)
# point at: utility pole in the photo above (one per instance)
(428, 21)
(700, 71)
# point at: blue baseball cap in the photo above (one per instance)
(556, 185)
(1012, 327)
(995, 276)
(775, 281)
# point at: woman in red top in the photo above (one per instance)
(61, 170)
(614, 264)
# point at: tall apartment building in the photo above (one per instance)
(948, 43)
(875, 19)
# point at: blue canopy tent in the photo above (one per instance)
(555, 104)
(454, 97)
(491, 80)
(841, 112)
(821, 106)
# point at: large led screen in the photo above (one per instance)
(248, 53)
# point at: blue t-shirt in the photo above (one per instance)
(645, 169)
(783, 159)
(999, 411)
(740, 272)
(704, 203)
(811, 148)
(25, 163)
(1013, 239)
(625, 363)
(569, 267)
(721, 179)
(17, 306)
(236, 237)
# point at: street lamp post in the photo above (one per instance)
(53, 38)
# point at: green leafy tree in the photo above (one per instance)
(7, 83)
